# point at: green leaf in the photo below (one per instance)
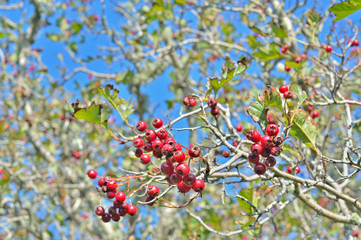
(76, 27)
(342, 10)
(272, 98)
(55, 37)
(293, 65)
(125, 77)
(257, 111)
(313, 18)
(304, 128)
(94, 113)
(248, 194)
(123, 107)
(253, 43)
(268, 53)
(279, 31)
(301, 95)
(180, 2)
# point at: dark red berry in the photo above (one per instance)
(252, 158)
(111, 194)
(132, 210)
(256, 149)
(106, 217)
(150, 135)
(115, 217)
(270, 162)
(272, 130)
(182, 169)
(253, 135)
(141, 126)
(92, 174)
(328, 48)
(148, 147)
(183, 188)
(287, 68)
(198, 186)
(101, 182)
(194, 151)
(145, 159)
(157, 123)
(174, 179)
(170, 141)
(266, 141)
(278, 140)
(276, 151)
(289, 170)
(179, 156)
(157, 154)
(239, 127)
(297, 169)
(226, 154)
(212, 103)
(283, 88)
(266, 152)
(355, 43)
(117, 203)
(123, 212)
(170, 159)
(270, 119)
(148, 199)
(138, 143)
(189, 179)
(215, 111)
(153, 191)
(112, 210)
(139, 152)
(120, 196)
(167, 168)
(260, 168)
(99, 211)
(157, 145)
(288, 94)
(125, 206)
(162, 134)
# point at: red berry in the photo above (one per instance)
(117, 203)
(145, 159)
(182, 169)
(115, 217)
(253, 135)
(212, 103)
(252, 158)
(304, 56)
(150, 135)
(198, 185)
(124, 206)
(226, 154)
(287, 68)
(283, 88)
(186, 101)
(141, 126)
(177, 147)
(132, 210)
(162, 134)
(112, 185)
(106, 217)
(174, 178)
(278, 140)
(170, 141)
(148, 199)
(272, 130)
(111, 195)
(123, 212)
(92, 174)
(315, 114)
(170, 159)
(157, 123)
(328, 48)
(286, 47)
(259, 168)
(153, 191)
(355, 43)
(192, 102)
(276, 151)
(266, 152)
(167, 168)
(194, 151)
(183, 188)
(270, 119)
(270, 162)
(112, 210)
(99, 211)
(283, 50)
(289, 170)
(139, 152)
(138, 143)
(157, 145)
(288, 94)
(234, 144)
(167, 149)
(266, 141)
(239, 127)
(179, 156)
(189, 179)
(297, 169)
(120, 196)
(355, 233)
(215, 111)
(298, 59)
(101, 182)
(256, 149)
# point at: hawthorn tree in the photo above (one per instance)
(233, 84)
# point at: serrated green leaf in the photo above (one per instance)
(248, 194)
(123, 107)
(313, 18)
(304, 128)
(94, 113)
(257, 111)
(278, 31)
(344, 9)
(253, 43)
(272, 98)
(268, 53)
(301, 95)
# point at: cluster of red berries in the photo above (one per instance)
(189, 101)
(284, 49)
(289, 170)
(264, 146)
(119, 207)
(314, 113)
(354, 43)
(3, 176)
(284, 90)
(212, 103)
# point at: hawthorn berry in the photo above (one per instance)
(153, 191)
(192, 102)
(287, 68)
(355, 233)
(132, 210)
(167, 149)
(215, 111)
(174, 178)
(283, 50)
(157, 154)
(239, 127)
(123, 212)
(270, 119)
(157, 145)
(179, 156)
(138, 143)
(272, 130)
(162, 134)
(234, 143)
(148, 199)
(304, 56)
(276, 151)
(267, 141)
(120, 196)
(182, 169)
(256, 149)
(183, 188)
(298, 59)
(112, 185)
(355, 43)
(101, 182)
(141, 126)
(99, 211)
(117, 203)
(111, 194)
(253, 158)
(139, 152)
(270, 162)
(189, 179)
(283, 88)
(124, 206)
(278, 140)
(286, 47)
(92, 174)
(194, 151)
(170, 141)
(265, 152)
(150, 135)
(297, 169)
(198, 186)
(315, 114)
(157, 123)
(328, 48)
(289, 170)
(167, 168)
(212, 103)
(145, 159)
(253, 135)
(148, 147)
(115, 217)
(112, 210)
(226, 154)
(288, 94)
(106, 217)
(259, 168)
(170, 159)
